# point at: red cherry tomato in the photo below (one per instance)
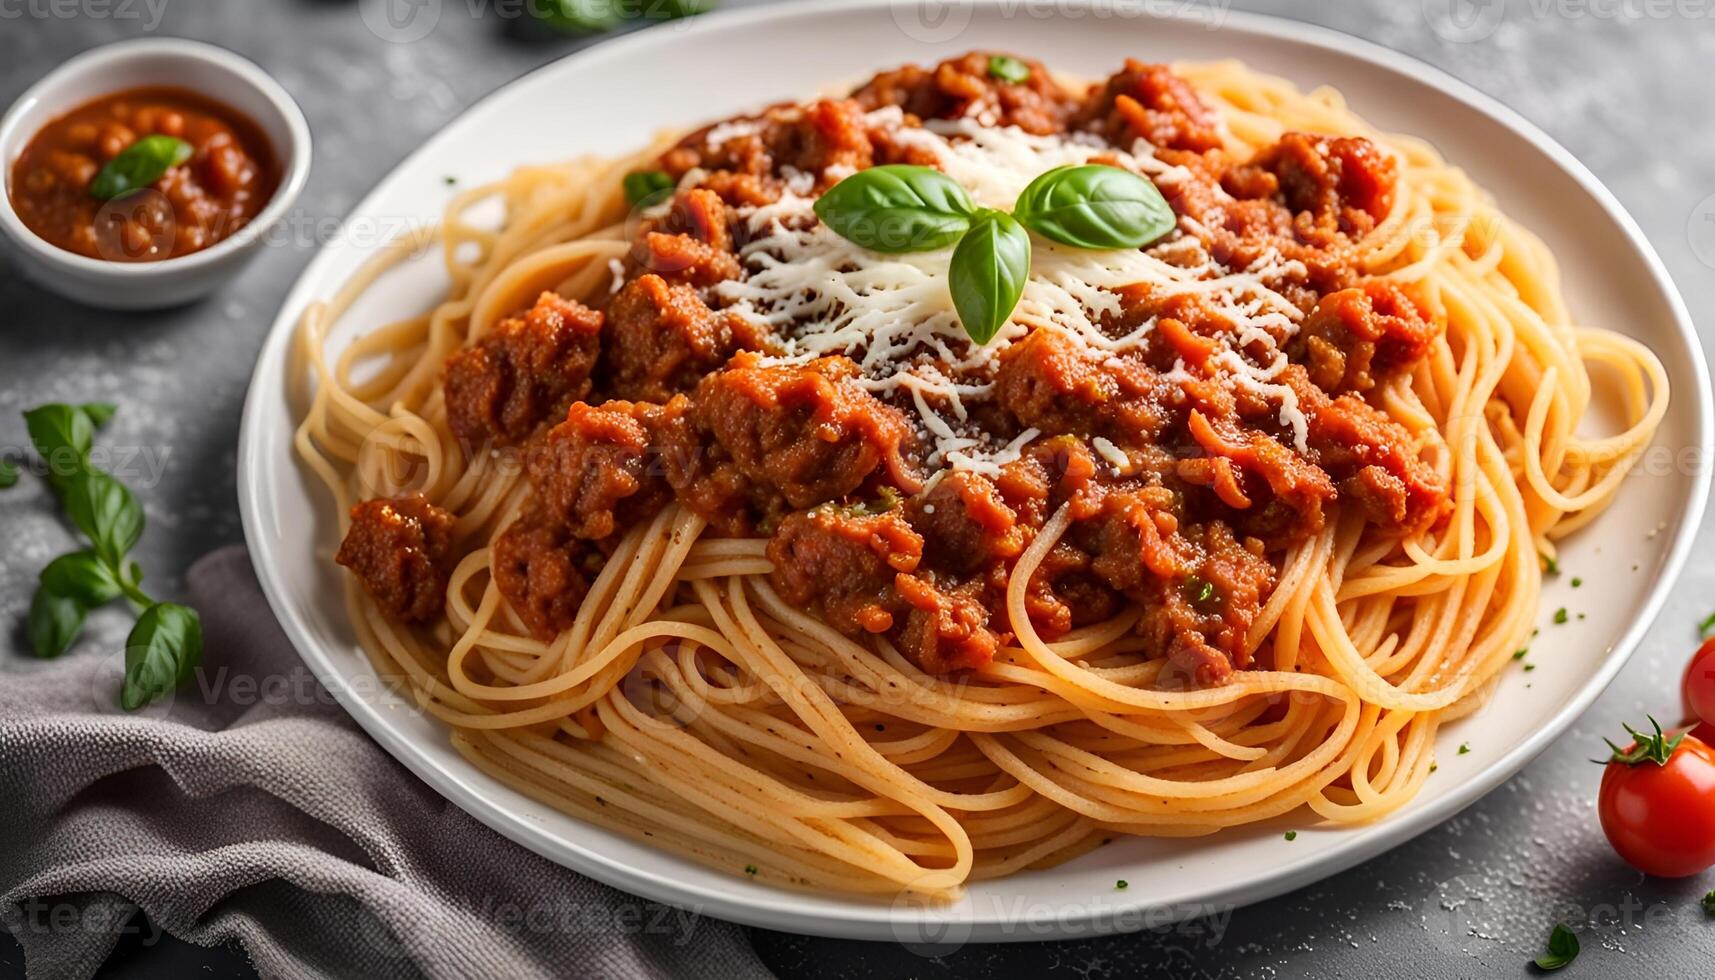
(1697, 688)
(1657, 805)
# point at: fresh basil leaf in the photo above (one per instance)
(988, 273)
(139, 165)
(1006, 68)
(1562, 949)
(161, 653)
(105, 511)
(1094, 206)
(55, 622)
(62, 435)
(580, 16)
(99, 413)
(641, 185)
(897, 208)
(8, 474)
(81, 576)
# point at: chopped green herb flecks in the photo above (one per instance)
(1560, 616)
(1292, 835)
(1464, 748)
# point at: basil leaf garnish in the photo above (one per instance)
(8, 474)
(897, 208)
(161, 653)
(1094, 206)
(641, 185)
(1006, 68)
(55, 621)
(82, 576)
(139, 165)
(105, 511)
(988, 273)
(62, 435)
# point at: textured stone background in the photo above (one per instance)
(1622, 83)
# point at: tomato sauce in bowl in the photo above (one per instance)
(221, 180)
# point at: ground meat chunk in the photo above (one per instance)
(662, 338)
(543, 572)
(856, 568)
(1048, 382)
(962, 87)
(1199, 587)
(1065, 593)
(772, 437)
(844, 560)
(594, 473)
(522, 373)
(1346, 181)
(400, 548)
(1371, 457)
(965, 524)
(946, 627)
(1358, 338)
(693, 242)
(826, 139)
(1150, 103)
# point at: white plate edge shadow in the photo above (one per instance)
(775, 908)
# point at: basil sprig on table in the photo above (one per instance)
(139, 165)
(901, 208)
(165, 645)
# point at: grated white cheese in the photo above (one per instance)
(893, 314)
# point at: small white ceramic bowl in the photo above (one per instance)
(203, 68)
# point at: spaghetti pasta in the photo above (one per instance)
(687, 702)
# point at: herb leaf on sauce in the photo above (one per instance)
(988, 273)
(1094, 206)
(139, 165)
(641, 185)
(1006, 68)
(897, 208)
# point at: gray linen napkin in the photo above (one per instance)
(264, 815)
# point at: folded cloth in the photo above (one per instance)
(251, 808)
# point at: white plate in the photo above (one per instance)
(612, 98)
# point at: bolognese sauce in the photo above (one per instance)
(1185, 485)
(227, 175)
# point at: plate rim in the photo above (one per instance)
(772, 908)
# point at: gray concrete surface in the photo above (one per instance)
(1623, 83)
